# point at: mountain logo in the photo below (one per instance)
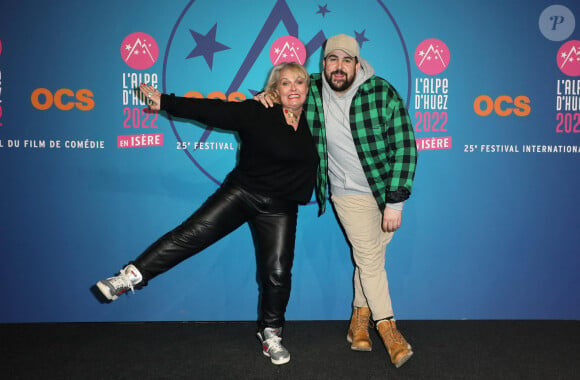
(432, 56)
(287, 49)
(139, 51)
(568, 58)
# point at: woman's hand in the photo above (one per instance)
(153, 96)
(265, 99)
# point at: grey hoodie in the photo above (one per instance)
(346, 175)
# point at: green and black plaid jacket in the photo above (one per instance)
(383, 136)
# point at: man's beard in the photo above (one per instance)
(342, 87)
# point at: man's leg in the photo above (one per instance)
(361, 219)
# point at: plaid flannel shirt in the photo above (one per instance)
(383, 136)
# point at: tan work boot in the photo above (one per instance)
(358, 331)
(398, 348)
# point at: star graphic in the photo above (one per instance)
(360, 37)
(206, 45)
(323, 10)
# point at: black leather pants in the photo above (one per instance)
(273, 226)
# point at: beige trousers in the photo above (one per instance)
(361, 219)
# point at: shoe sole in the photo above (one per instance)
(276, 362)
(99, 296)
(361, 349)
(104, 289)
(403, 360)
(355, 348)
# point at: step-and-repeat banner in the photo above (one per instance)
(89, 180)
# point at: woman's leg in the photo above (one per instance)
(221, 213)
(274, 236)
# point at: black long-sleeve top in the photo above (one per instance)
(275, 160)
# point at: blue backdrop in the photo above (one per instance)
(88, 180)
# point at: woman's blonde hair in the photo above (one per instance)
(274, 78)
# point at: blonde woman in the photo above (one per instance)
(275, 173)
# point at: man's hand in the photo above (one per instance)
(265, 99)
(391, 220)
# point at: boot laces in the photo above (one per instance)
(362, 323)
(394, 334)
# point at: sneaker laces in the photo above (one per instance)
(274, 344)
(122, 282)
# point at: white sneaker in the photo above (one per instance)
(272, 347)
(114, 286)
